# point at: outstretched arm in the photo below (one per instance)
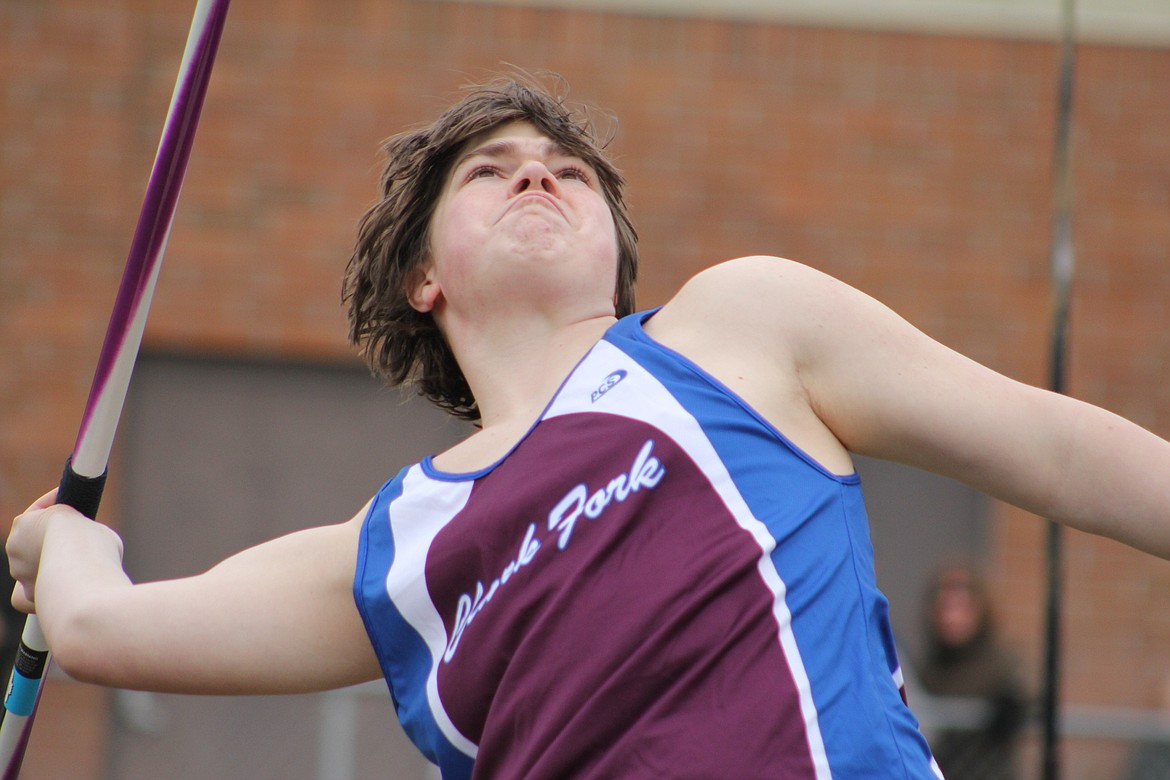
(883, 388)
(889, 391)
(277, 618)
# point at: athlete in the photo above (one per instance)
(651, 559)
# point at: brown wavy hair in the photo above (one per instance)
(399, 343)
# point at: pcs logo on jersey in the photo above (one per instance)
(608, 384)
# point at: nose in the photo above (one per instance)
(534, 175)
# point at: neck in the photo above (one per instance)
(514, 368)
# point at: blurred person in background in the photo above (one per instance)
(965, 664)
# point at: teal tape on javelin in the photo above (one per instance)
(22, 695)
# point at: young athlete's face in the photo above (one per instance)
(519, 218)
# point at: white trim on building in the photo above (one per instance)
(1123, 22)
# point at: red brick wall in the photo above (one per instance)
(915, 167)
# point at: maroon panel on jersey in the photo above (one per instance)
(600, 647)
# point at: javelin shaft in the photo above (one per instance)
(128, 320)
(84, 476)
(1062, 261)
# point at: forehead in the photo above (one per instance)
(509, 138)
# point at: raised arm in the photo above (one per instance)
(883, 388)
(277, 618)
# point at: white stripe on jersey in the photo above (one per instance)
(422, 510)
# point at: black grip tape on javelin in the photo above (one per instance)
(82, 493)
(31, 663)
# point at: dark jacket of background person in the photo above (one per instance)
(963, 659)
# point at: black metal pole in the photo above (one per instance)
(1062, 273)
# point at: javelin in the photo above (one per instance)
(1062, 273)
(85, 471)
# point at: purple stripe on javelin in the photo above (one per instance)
(158, 207)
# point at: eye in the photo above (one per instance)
(574, 173)
(482, 171)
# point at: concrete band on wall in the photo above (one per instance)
(1118, 22)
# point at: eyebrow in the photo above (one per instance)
(505, 147)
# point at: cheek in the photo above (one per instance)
(610, 248)
(450, 240)
(602, 227)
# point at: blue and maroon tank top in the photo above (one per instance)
(653, 583)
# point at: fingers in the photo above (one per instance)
(23, 549)
(25, 539)
(45, 501)
(22, 601)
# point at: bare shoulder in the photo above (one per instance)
(752, 270)
(760, 308)
(747, 323)
(745, 273)
(751, 296)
